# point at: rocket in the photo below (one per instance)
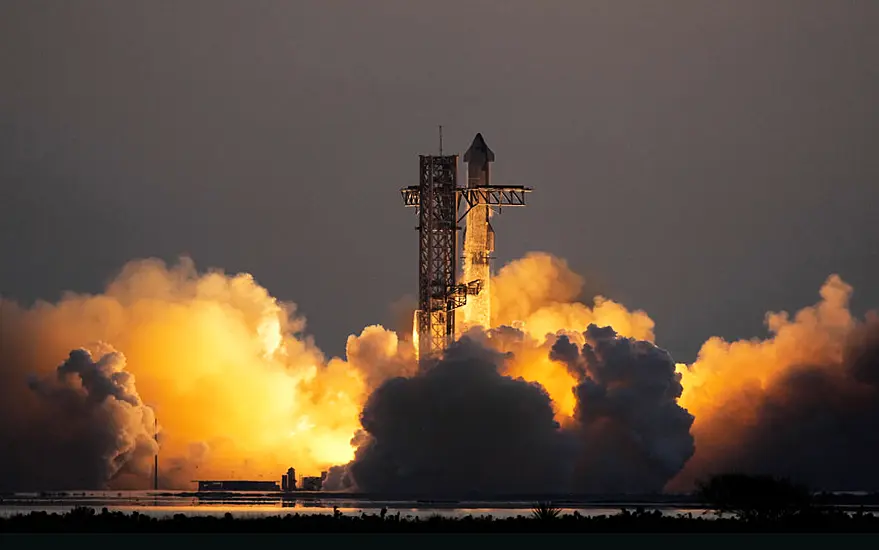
(478, 235)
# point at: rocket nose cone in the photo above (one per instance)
(478, 142)
(479, 150)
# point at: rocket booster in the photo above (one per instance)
(478, 237)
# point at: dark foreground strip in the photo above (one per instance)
(439, 540)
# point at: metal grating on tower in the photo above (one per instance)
(437, 225)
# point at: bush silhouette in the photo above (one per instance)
(545, 511)
(756, 504)
(755, 498)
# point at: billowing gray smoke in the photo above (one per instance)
(635, 435)
(461, 427)
(817, 424)
(86, 427)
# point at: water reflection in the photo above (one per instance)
(245, 505)
(253, 505)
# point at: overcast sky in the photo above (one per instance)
(705, 161)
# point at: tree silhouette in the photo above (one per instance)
(755, 498)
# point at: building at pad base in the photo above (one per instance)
(236, 485)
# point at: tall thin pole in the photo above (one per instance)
(441, 139)
(156, 458)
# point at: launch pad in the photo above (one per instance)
(438, 199)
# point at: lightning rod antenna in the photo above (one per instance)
(441, 139)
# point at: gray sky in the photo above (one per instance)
(705, 161)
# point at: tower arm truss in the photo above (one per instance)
(458, 293)
(491, 195)
(410, 196)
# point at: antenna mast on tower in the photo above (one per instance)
(156, 458)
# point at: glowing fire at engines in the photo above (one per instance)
(437, 200)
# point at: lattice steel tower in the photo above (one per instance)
(437, 198)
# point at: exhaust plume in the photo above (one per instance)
(803, 403)
(87, 425)
(559, 395)
(798, 404)
(539, 294)
(223, 364)
(377, 354)
(465, 426)
(460, 427)
(635, 434)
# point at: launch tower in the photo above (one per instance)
(437, 199)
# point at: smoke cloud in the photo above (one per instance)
(377, 354)
(636, 436)
(239, 391)
(560, 395)
(460, 427)
(87, 426)
(799, 404)
(803, 403)
(464, 426)
(540, 294)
